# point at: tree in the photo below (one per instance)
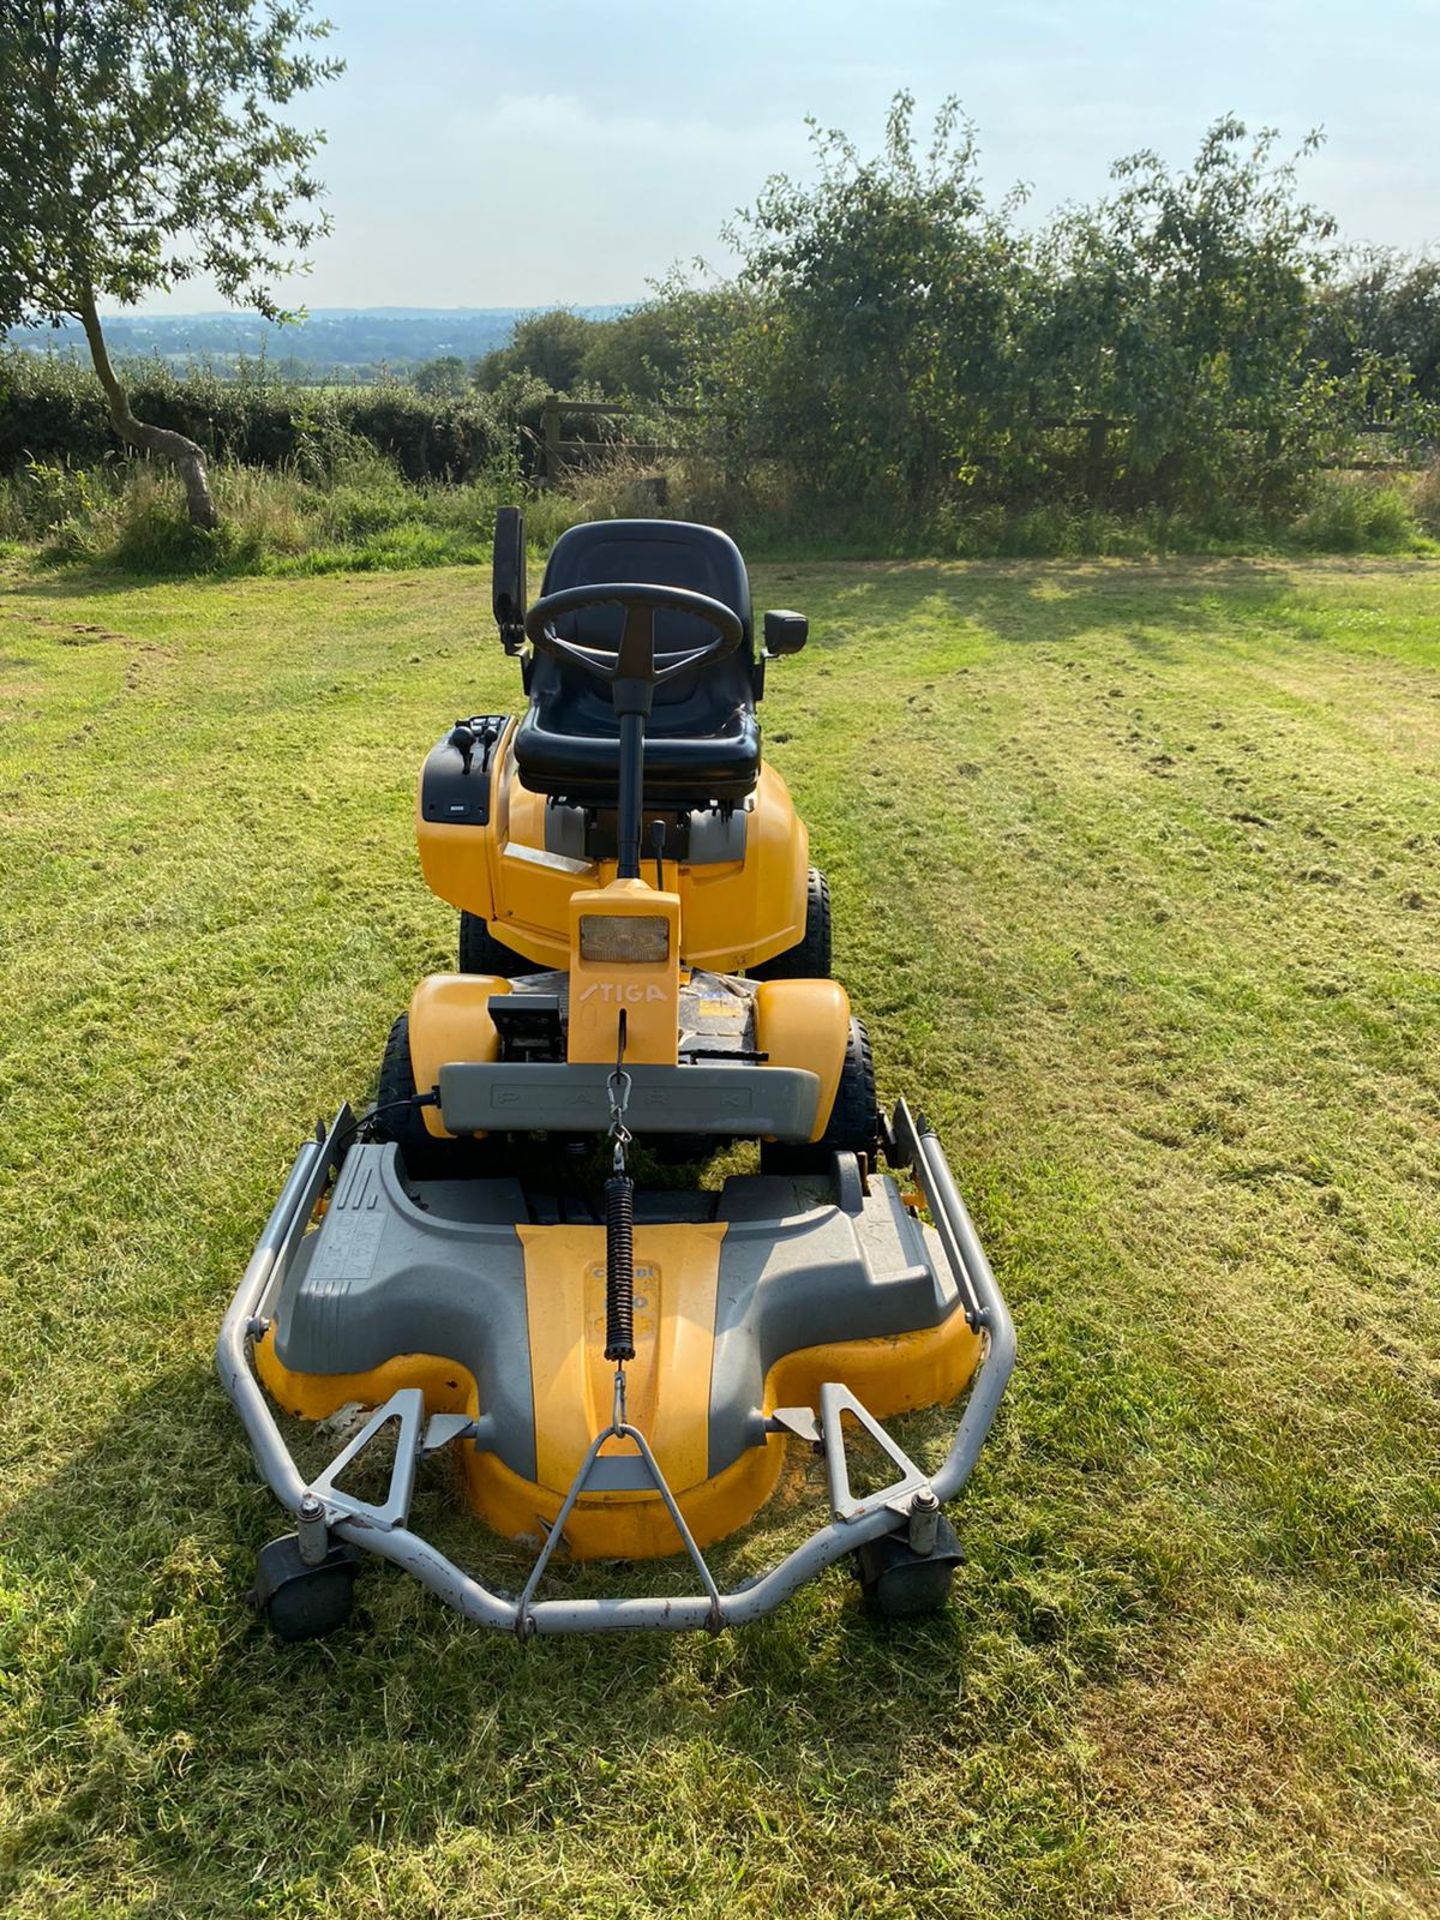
(1382, 320)
(552, 345)
(442, 379)
(1183, 303)
(872, 319)
(139, 146)
(638, 354)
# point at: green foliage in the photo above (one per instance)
(901, 341)
(139, 146)
(154, 537)
(1182, 305)
(638, 355)
(52, 410)
(362, 515)
(902, 362)
(1356, 514)
(1384, 314)
(1425, 500)
(550, 346)
(908, 348)
(445, 378)
(872, 338)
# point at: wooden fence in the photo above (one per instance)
(557, 454)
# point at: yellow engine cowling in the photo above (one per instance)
(625, 955)
(798, 1023)
(734, 913)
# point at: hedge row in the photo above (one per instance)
(52, 411)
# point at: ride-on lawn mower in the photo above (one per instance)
(643, 980)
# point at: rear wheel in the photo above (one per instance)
(481, 952)
(809, 959)
(854, 1123)
(397, 1118)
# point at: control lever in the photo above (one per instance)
(463, 738)
(657, 842)
(466, 735)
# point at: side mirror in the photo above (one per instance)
(785, 632)
(508, 590)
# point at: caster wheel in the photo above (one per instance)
(897, 1583)
(300, 1602)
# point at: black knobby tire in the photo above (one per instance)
(810, 958)
(854, 1123)
(425, 1157)
(481, 952)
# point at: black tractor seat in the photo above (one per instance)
(702, 740)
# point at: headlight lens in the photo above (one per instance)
(638, 938)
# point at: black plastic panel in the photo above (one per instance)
(574, 1097)
(447, 791)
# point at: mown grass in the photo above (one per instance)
(1135, 877)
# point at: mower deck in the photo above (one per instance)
(464, 1312)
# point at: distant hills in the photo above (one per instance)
(339, 342)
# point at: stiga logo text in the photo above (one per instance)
(614, 992)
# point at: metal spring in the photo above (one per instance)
(619, 1267)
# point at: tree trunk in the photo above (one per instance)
(187, 459)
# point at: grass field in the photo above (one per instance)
(1135, 873)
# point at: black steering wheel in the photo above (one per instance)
(634, 665)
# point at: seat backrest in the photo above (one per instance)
(664, 553)
(703, 739)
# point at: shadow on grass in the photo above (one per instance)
(1038, 603)
(64, 582)
(408, 1721)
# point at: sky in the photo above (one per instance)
(552, 152)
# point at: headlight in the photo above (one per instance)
(633, 937)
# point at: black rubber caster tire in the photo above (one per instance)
(301, 1602)
(896, 1583)
(481, 952)
(854, 1123)
(809, 959)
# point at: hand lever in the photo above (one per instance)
(657, 841)
(463, 738)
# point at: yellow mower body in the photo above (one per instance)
(677, 1275)
(618, 1364)
(735, 913)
